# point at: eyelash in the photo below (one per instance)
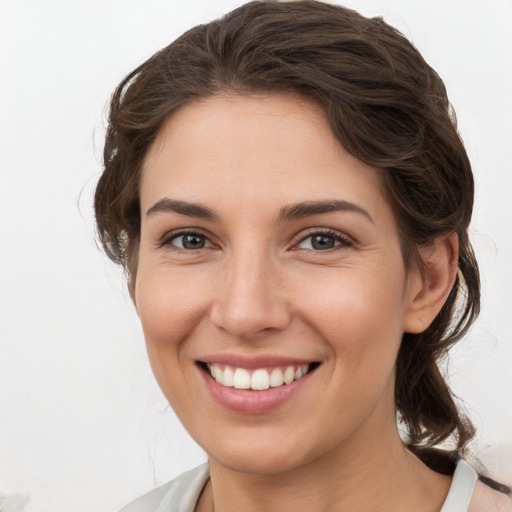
(168, 238)
(344, 241)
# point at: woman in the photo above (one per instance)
(288, 193)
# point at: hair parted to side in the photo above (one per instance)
(385, 105)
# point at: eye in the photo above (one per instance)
(323, 241)
(189, 241)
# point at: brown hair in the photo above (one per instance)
(385, 105)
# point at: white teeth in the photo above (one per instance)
(259, 380)
(289, 375)
(276, 378)
(301, 371)
(241, 379)
(228, 377)
(217, 373)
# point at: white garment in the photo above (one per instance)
(461, 490)
(181, 494)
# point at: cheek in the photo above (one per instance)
(359, 313)
(170, 312)
(168, 304)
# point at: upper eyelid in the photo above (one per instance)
(173, 234)
(298, 238)
(323, 231)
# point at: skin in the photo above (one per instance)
(258, 286)
(486, 499)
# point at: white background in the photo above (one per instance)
(83, 425)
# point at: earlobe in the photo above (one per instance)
(429, 289)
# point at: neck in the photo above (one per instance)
(380, 475)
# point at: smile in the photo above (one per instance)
(258, 379)
(254, 385)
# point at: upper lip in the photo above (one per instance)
(251, 362)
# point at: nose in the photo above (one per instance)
(249, 299)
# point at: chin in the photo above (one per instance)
(266, 453)
(258, 462)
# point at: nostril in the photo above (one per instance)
(249, 309)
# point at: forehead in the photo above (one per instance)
(257, 150)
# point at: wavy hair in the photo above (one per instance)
(385, 105)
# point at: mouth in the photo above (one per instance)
(257, 379)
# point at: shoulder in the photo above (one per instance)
(178, 495)
(468, 493)
(486, 499)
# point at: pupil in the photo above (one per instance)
(193, 242)
(322, 242)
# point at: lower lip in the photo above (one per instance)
(248, 401)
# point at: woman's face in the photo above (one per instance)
(267, 250)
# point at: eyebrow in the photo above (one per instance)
(183, 208)
(310, 208)
(290, 212)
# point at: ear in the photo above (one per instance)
(428, 288)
